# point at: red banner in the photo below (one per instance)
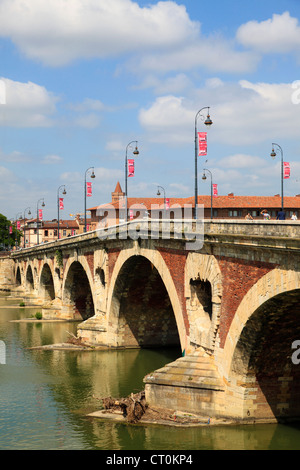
(167, 203)
(88, 189)
(18, 225)
(40, 214)
(202, 142)
(10, 229)
(130, 168)
(61, 203)
(286, 170)
(131, 214)
(215, 190)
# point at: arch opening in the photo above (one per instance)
(77, 292)
(263, 359)
(29, 279)
(18, 277)
(141, 310)
(47, 283)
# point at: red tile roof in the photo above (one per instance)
(225, 202)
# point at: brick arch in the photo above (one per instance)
(156, 259)
(78, 312)
(29, 277)
(204, 270)
(47, 282)
(276, 282)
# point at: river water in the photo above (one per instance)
(45, 396)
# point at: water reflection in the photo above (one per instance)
(45, 397)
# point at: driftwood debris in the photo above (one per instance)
(132, 407)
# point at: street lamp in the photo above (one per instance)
(29, 213)
(64, 192)
(37, 218)
(19, 214)
(92, 176)
(208, 123)
(158, 194)
(135, 152)
(211, 190)
(273, 155)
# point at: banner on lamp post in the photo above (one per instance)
(10, 229)
(18, 225)
(130, 168)
(40, 214)
(202, 143)
(215, 190)
(286, 170)
(61, 203)
(167, 203)
(88, 189)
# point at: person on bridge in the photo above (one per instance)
(281, 215)
(294, 216)
(265, 214)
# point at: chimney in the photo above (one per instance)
(231, 195)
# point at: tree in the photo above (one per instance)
(8, 239)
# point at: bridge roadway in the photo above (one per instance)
(226, 291)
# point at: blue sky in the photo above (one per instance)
(83, 78)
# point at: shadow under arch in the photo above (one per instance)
(141, 314)
(18, 276)
(29, 279)
(77, 292)
(47, 290)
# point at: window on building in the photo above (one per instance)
(64, 233)
(46, 233)
(215, 212)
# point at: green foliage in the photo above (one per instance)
(59, 258)
(38, 315)
(7, 239)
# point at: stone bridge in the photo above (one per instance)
(232, 304)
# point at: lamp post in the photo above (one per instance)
(273, 155)
(208, 123)
(135, 152)
(19, 214)
(29, 213)
(37, 218)
(158, 194)
(92, 176)
(64, 192)
(211, 190)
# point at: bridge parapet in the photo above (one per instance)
(272, 234)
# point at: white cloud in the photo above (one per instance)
(216, 54)
(243, 113)
(242, 161)
(160, 37)
(279, 34)
(51, 159)
(27, 105)
(59, 32)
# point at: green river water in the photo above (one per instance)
(45, 397)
